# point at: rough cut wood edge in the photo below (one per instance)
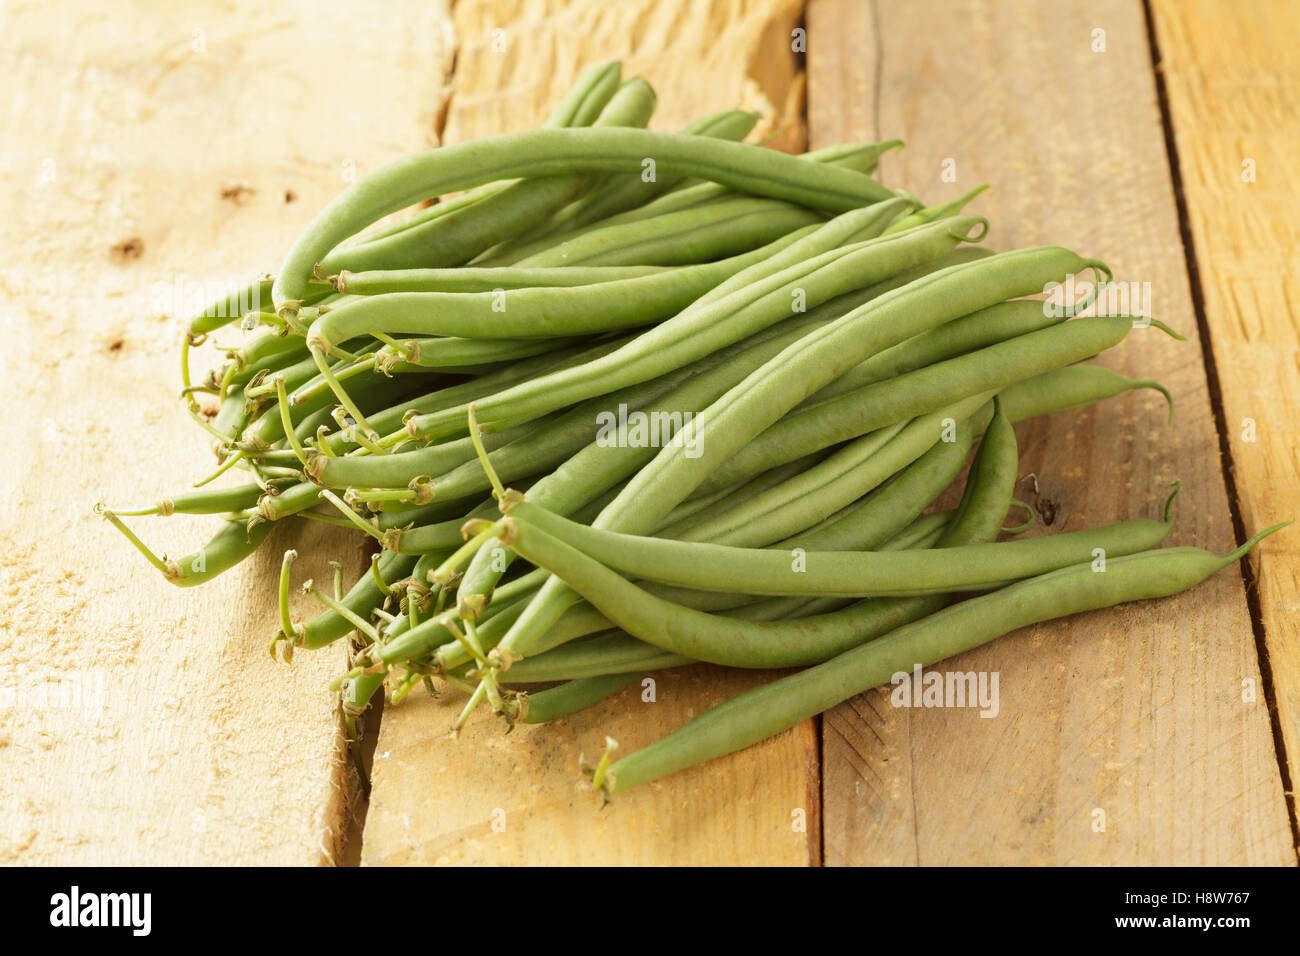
(1137, 711)
(1229, 73)
(435, 800)
(187, 745)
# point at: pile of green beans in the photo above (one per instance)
(729, 389)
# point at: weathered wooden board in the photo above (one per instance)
(437, 800)
(1230, 73)
(490, 798)
(515, 58)
(139, 723)
(1136, 714)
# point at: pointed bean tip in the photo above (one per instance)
(1249, 545)
(1168, 331)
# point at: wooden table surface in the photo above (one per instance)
(158, 151)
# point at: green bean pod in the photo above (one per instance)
(932, 213)
(1068, 388)
(840, 479)
(800, 370)
(289, 501)
(208, 501)
(580, 106)
(462, 355)
(884, 513)
(600, 466)
(559, 152)
(364, 597)
(715, 638)
(542, 312)
(235, 541)
(714, 567)
(914, 393)
(622, 192)
(859, 157)
(701, 329)
(587, 98)
(851, 228)
(619, 652)
(705, 508)
(571, 697)
(602, 655)
(459, 236)
(768, 710)
(979, 330)
(693, 235)
(486, 279)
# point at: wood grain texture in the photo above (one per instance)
(140, 723)
(434, 799)
(1230, 75)
(517, 57)
(1136, 712)
(489, 798)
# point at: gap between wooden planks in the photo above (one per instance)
(1133, 718)
(489, 798)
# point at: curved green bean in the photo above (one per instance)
(884, 513)
(714, 567)
(458, 236)
(931, 386)
(583, 103)
(600, 467)
(701, 329)
(1068, 388)
(765, 711)
(235, 541)
(558, 152)
(538, 312)
(209, 501)
(981, 329)
(797, 372)
(856, 156)
(580, 106)
(629, 192)
(694, 235)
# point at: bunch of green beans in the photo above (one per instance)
(730, 389)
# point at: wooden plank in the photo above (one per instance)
(517, 57)
(1230, 73)
(488, 798)
(436, 800)
(1136, 712)
(142, 724)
